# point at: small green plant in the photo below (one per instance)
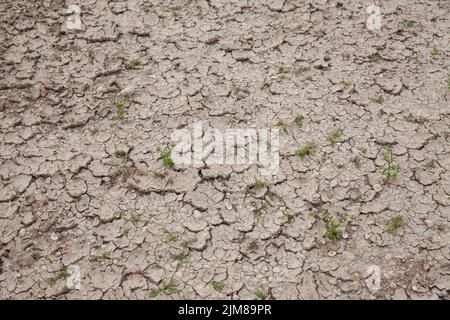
(394, 223)
(299, 120)
(390, 169)
(375, 58)
(166, 156)
(218, 285)
(448, 81)
(154, 292)
(160, 174)
(307, 150)
(61, 47)
(125, 231)
(255, 187)
(345, 84)
(434, 51)
(134, 218)
(262, 293)
(155, 265)
(290, 217)
(379, 99)
(167, 287)
(175, 10)
(430, 164)
(282, 125)
(62, 274)
(281, 68)
(135, 63)
(356, 161)
(236, 88)
(407, 23)
(217, 80)
(267, 83)
(36, 255)
(355, 200)
(333, 230)
(271, 195)
(200, 13)
(53, 29)
(335, 136)
(103, 256)
(180, 257)
(170, 237)
(343, 216)
(121, 111)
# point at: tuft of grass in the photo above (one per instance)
(154, 292)
(166, 156)
(407, 23)
(282, 125)
(345, 84)
(180, 257)
(356, 161)
(390, 169)
(262, 293)
(335, 136)
(355, 200)
(218, 285)
(217, 80)
(53, 29)
(430, 164)
(434, 51)
(236, 88)
(167, 287)
(135, 63)
(121, 111)
(125, 231)
(448, 81)
(379, 99)
(175, 10)
(134, 218)
(375, 58)
(281, 68)
(160, 174)
(394, 223)
(62, 274)
(170, 237)
(290, 217)
(61, 47)
(271, 195)
(299, 120)
(255, 187)
(200, 13)
(36, 255)
(307, 150)
(104, 256)
(333, 230)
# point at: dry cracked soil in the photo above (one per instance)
(92, 206)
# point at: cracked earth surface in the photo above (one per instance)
(84, 113)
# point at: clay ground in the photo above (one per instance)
(86, 179)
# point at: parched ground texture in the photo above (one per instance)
(86, 116)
